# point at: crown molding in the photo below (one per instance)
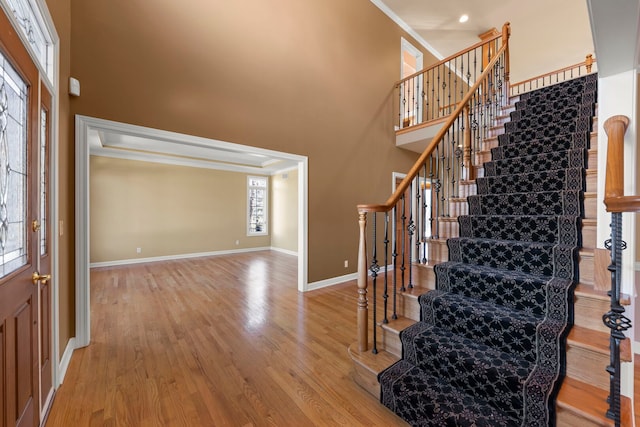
(402, 24)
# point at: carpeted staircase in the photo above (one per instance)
(489, 349)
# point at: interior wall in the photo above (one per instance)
(284, 210)
(60, 11)
(312, 78)
(165, 210)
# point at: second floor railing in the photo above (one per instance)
(398, 233)
(435, 92)
(557, 76)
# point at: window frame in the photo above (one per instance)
(265, 228)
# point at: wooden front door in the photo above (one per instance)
(19, 237)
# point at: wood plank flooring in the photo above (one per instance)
(217, 341)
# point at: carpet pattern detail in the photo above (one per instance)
(489, 349)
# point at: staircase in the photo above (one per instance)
(484, 336)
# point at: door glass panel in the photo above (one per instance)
(13, 173)
(43, 182)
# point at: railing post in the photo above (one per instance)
(363, 309)
(506, 33)
(588, 62)
(615, 127)
(615, 319)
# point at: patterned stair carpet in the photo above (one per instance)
(489, 349)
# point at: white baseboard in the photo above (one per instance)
(332, 281)
(66, 359)
(284, 251)
(174, 257)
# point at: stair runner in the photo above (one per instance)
(489, 349)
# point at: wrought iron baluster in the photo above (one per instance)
(410, 230)
(394, 256)
(615, 319)
(374, 275)
(403, 242)
(385, 293)
(423, 232)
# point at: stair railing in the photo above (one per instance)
(410, 220)
(434, 92)
(616, 203)
(558, 76)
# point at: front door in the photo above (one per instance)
(20, 282)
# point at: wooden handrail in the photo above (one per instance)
(455, 55)
(614, 197)
(588, 63)
(395, 197)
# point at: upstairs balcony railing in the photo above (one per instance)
(401, 230)
(434, 93)
(588, 66)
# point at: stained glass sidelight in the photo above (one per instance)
(13, 169)
(43, 182)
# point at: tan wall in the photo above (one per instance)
(312, 78)
(165, 210)
(60, 11)
(284, 210)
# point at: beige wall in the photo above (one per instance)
(165, 210)
(312, 78)
(284, 210)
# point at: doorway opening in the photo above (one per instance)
(164, 142)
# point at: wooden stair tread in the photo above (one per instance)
(589, 221)
(396, 325)
(589, 291)
(374, 363)
(590, 402)
(597, 341)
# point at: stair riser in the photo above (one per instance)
(589, 236)
(438, 251)
(448, 228)
(586, 268)
(592, 159)
(366, 379)
(390, 342)
(589, 311)
(459, 208)
(467, 190)
(592, 181)
(590, 206)
(588, 366)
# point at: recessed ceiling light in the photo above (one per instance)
(464, 18)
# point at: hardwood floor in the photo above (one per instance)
(218, 341)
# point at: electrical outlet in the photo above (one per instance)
(237, 242)
(346, 263)
(138, 250)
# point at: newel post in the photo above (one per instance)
(506, 33)
(363, 310)
(615, 127)
(588, 62)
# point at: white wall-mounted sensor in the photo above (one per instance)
(74, 87)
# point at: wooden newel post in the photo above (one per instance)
(363, 309)
(615, 127)
(506, 33)
(588, 62)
